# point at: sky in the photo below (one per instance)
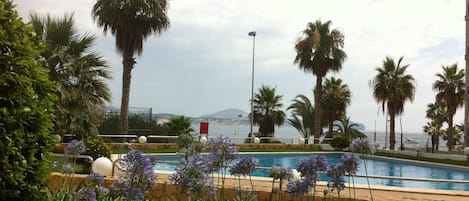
(203, 62)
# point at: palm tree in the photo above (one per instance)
(302, 116)
(349, 129)
(79, 73)
(433, 128)
(131, 22)
(318, 51)
(267, 111)
(179, 125)
(392, 87)
(450, 90)
(335, 99)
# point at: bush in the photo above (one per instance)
(340, 142)
(96, 148)
(26, 111)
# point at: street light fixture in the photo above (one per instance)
(253, 34)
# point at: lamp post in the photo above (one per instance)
(253, 34)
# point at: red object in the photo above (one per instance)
(204, 127)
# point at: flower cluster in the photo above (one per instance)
(336, 181)
(280, 173)
(96, 179)
(67, 168)
(361, 145)
(192, 175)
(222, 152)
(350, 163)
(75, 147)
(138, 173)
(85, 194)
(297, 187)
(244, 167)
(310, 168)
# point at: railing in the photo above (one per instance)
(89, 158)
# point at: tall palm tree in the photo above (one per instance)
(450, 89)
(335, 99)
(131, 22)
(392, 87)
(78, 72)
(267, 111)
(318, 51)
(302, 116)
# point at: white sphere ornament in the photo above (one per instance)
(142, 139)
(203, 140)
(57, 138)
(296, 175)
(257, 140)
(102, 166)
(301, 141)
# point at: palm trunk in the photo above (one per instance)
(450, 132)
(317, 111)
(331, 129)
(392, 133)
(128, 63)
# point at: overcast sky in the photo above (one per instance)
(202, 63)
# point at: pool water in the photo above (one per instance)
(375, 166)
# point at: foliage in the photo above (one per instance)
(340, 142)
(179, 125)
(348, 129)
(319, 51)
(335, 98)
(131, 22)
(392, 87)
(95, 147)
(26, 111)
(302, 116)
(267, 111)
(450, 88)
(361, 145)
(80, 74)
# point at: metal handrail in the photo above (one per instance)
(90, 159)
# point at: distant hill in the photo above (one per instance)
(228, 114)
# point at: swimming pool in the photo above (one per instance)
(376, 167)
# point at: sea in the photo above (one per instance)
(238, 132)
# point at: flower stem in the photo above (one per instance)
(368, 180)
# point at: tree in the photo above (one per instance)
(78, 72)
(450, 89)
(335, 99)
(267, 111)
(26, 111)
(179, 125)
(433, 128)
(318, 51)
(131, 22)
(437, 114)
(392, 87)
(302, 116)
(348, 129)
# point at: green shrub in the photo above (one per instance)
(340, 142)
(96, 148)
(26, 111)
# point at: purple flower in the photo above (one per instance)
(96, 179)
(244, 167)
(75, 147)
(67, 168)
(280, 173)
(335, 173)
(85, 194)
(350, 163)
(119, 189)
(361, 145)
(297, 188)
(222, 152)
(309, 168)
(192, 175)
(138, 173)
